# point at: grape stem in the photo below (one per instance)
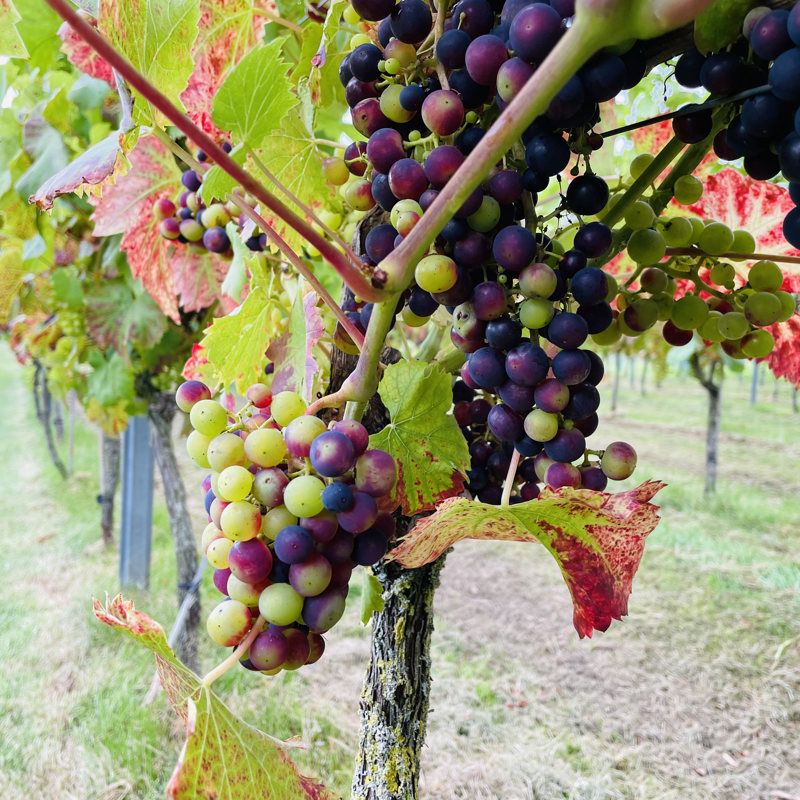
(694, 251)
(365, 281)
(237, 653)
(438, 30)
(508, 483)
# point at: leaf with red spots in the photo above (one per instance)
(424, 439)
(11, 43)
(596, 538)
(223, 757)
(82, 55)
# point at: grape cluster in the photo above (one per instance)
(293, 507)
(764, 130)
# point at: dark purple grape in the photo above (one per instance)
(769, 36)
(363, 62)
(548, 153)
(765, 116)
(762, 167)
(529, 491)
(793, 25)
(384, 148)
(370, 547)
(566, 445)
(385, 30)
(209, 499)
(584, 400)
(597, 370)
(468, 139)
(506, 186)
(694, 127)
(472, 251)
(338, 549)
(293, 544)
(687, 70)
(589, 286)
(421, 302)
(379, 242)
(455, 230)
(487, 368)
(411, 97)
(491, 495)
(322, 526)
(269, 649)
(332, 454)
(474, 17)
(604, 77)
(635, 61)
(593, 478)
(337, 497)
(527, 447)
(742, 143)
(452, 47)
(588, 425)
(527, 364)
(407, 179)
(357, 90)
(322, 612)
(505, 424)
(498, 464)
(472, 94)
(593, 239)
(477, 479)
(534, 32)
(569, 101)
(511, 77)
(362, 514)
(372, 10)
(216, 240)
(791, 227)
(191, 180)
(567, 330)
(722, 73)
(353, 157)
(552, 396)
(503, 333)
(789, 157)
(514, 248)
(427, 198)
(559, 475)
(587, 194)
(794, 193)
(489, 300)
(250, 561)
(344, 71)
(355, 432)
(479, 411)
(479, 452)
(441, 164)
(572, 367)
(367, 117)
(411, 21)
(382, 193)
(571, 262)
(484, 57)
(471, 204)
(722, 147)
(376, 473)
(365, 314)
(517, 398)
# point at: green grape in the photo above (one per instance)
(405, 54)
(710, 328)
(722, 273)
(626, 329)
(197, 448)
(765, 276)
(536, 312)
(715, 239)
(241, 521)
(210, 533)
(242, 592)
(303, 496)
(225, 450)
(640, 216)
(733, 325)
(436, 273)
(390, 104)
(664, 302)
(653, 280)
(688, 190)
(641, 315)
(541, 426)
(234, 483)
(191, 230)
(762, 308)
(358, 39)
(217, 553)
(331, 218)
(402, 207)
(788, 305)
(613, 288)
(265, 447)
(279, 604)
(215, 216)
(698, 226)
(758, 344)
(678, 232)
(358, 195)
(276, 520)
(350, 15)
(647, 247)
(689, 313)
(743, 242)
(411, 319)
(609, 336)
(640, 164)
(208, 417)
(554, 256)
(229, 623)
(487, 216)
(335, 171)
(287, 406)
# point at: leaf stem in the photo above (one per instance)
(438, 30)
(365, 281)
(237, 653)
(508, 484)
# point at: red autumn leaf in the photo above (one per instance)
(191, 369)
(596, 538)
(82, 55)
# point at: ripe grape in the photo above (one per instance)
(560, 475)
(514, 247)
(487, 368)
(441, 164)
(322, 612)
(567, 330)
(484, 57)
(552, 396)
(452, 47)
(566, 445)
(189, 393)
(505, 424)
(337, 497)
(361, 515)
(293, 545)
(534, 32)
(376, 473)
(443, 112)
(384, 148)
(571, 367)
(587, 194)
(312, 576)
(250, 561)
(269, 649)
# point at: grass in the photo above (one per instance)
(693, 696)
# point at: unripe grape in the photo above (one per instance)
(225, 450)
(265, 447)
(609, 336)
(762, 308)
(678, 232)
(216, 215)
(715, 239)
(486, 217)
(647, 246)
(210, 533)
(536, 312)
(443, 112)
(640, 164)
(163, 208)
(404, 53)
(541, 426)
(733, 325)
(335, 171)
(411, 319)
(197, 448)
(192, 230)
(208, 417)
(234, 483)
(280, 604)
(436, 273)
(689, 313)
(259, 395)
(640, 315)
(217, 553)
(322, 612)
(240, 521)
(688, 189)
(312, 576)
(618, 461)
(743, 242)
(654, 280)
(709, 330)
(170, 228)
(287, 406)
(301, 432)
(758, 344)
(276, 520)
(788, 305)
(765, 276)
(303, 496)
(358, 195)
(640, 216)
(723, 273)
(229, 623)
(376, 473)
(537, 280)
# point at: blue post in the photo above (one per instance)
(754, 384)
(137, 504)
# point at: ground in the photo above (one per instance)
(694, 696)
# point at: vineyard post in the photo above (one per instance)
(109, 479)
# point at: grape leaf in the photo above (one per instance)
(228, 29)
(115, 315)
(371, 596)
(255, 96)
(721, 24)
(67, 287)
(11, 43)
(38, 27)
(596, 538)
(83, 55)
(44, 144)
(424, 439)
(156, 36)
(293, 353)
(111, 379)
(323, 77)
(223, 757)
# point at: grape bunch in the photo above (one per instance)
(294, 507)
(764, 129)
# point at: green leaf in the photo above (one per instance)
(38, 28)
(371, 596)
(430, 450)
(111, 381)
(116, 316)
(255, 96)
(67, 287)
(217, 184)
(721, 24)
(223, 757)
(323, 78)
(156, 36)
(46, 145)
(597, 539)
(11, 43)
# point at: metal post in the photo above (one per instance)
(754, 385)
(137, 504)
